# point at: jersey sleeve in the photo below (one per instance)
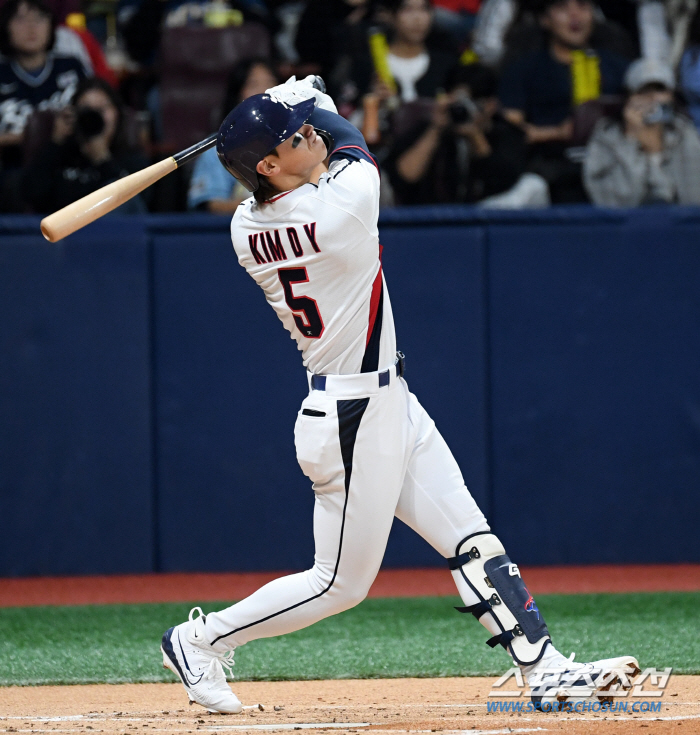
(348, 141)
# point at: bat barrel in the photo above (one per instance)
(93, 206)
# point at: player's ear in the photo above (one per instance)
(267, 167)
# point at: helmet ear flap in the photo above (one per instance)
(247, 169)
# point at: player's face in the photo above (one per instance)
(304, 150)
(299, 160)
(29, 30)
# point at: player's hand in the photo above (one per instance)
(294, 91)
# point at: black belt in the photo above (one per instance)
(318, 382)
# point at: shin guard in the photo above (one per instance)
(481, 563)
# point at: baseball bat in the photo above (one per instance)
(93, 206)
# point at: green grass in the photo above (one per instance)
(379, 638)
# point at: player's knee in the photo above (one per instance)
(341, 591)
(351, 597)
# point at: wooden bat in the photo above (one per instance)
(93, 206)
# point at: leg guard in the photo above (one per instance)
(481, 563)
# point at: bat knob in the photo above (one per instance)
(319, 84)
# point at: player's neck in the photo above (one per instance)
(288, 182)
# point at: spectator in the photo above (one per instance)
(652, 154)
(508, 28)
(31, 76)
(689, 71)
(465, 152)
(141, 21)
(212, 188)
(540, 92)
(89, 149)
(411, 63)
(456, 17)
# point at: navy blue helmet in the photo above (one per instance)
(254, 128)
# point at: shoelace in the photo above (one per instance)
(227, 661)
(225, 658)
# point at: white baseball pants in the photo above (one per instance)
(372, 453)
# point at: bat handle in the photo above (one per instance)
(194, 150)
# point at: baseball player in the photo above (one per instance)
(309, 239)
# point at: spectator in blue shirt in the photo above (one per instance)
(212, 188)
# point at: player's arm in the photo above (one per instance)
(348, 142)
(347, 139)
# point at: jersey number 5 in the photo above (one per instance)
(305, 310)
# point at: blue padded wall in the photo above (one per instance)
(75, 464)
(435, 280)
(595, 351)
(228, 384)
(148, 393)
(229, 381)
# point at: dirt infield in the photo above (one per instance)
(350, 706)
(134, 588)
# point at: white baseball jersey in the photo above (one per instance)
(315, 253)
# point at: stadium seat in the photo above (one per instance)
(196, 62)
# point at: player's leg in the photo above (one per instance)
(436, 503)
(354, 452)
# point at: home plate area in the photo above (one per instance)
(451, 705)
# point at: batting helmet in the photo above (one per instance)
(254, 128)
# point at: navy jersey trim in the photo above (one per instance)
(350, 415)
(354, 152)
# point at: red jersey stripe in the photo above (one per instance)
(374, 300)
(359, 148)
(279, 196)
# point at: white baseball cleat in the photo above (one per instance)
(188, 655)
(556, 679)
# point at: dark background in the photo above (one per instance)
(148, 394)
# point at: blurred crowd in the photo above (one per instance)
(500, 103)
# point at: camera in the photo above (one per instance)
(462, 111)
(89, 123)
(662, 113)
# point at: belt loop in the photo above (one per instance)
(318, 382)
(400, 364)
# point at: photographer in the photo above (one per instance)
(88, 150)
(465, 152)
(649, 156)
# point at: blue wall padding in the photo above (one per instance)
(229, 383)
(75, 444)
(435, 280)
(148, 393)
(595, 370)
